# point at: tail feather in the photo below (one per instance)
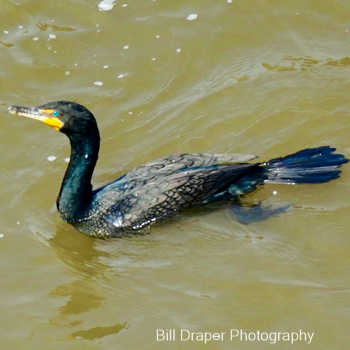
(311, 165)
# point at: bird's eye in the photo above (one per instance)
(55, 113)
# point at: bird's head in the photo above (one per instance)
(67, 117)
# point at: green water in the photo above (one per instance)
(258, 77)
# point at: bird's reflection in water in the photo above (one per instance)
(99, 332)
(80, 255)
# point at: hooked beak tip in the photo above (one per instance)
(12, 110)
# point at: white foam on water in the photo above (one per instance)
(192, 16)
(106, 5)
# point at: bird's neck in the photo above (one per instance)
(76, 191)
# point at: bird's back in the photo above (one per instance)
(161, 188)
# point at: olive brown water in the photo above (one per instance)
(258, 77)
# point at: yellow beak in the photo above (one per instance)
(43, 115)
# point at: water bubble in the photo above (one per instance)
(192, 16)
(106, 5)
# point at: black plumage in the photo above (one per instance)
(165, 186)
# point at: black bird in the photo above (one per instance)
(165, 186)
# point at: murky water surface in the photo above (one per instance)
(259, 77)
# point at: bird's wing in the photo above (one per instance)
(174, 163)
(132, 202)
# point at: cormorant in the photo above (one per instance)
(165, 186)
